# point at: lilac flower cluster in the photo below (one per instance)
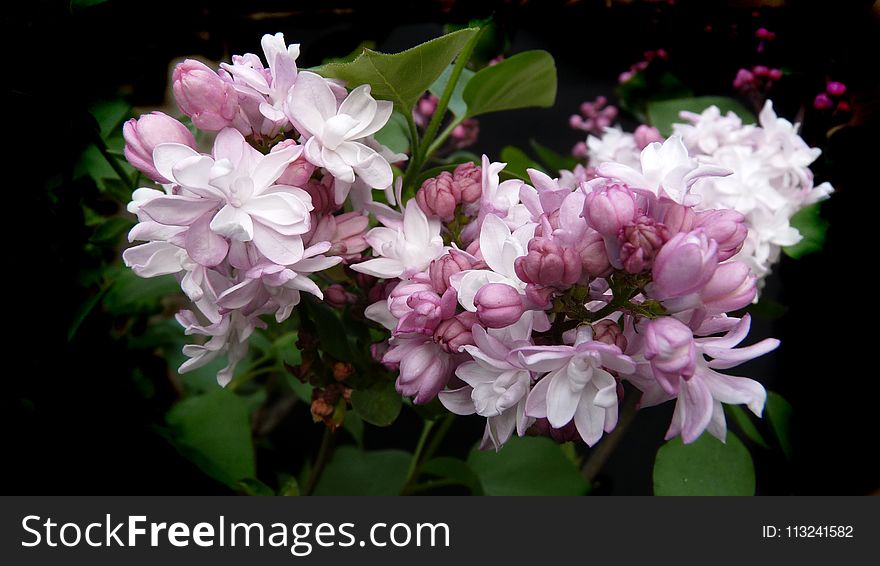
(244, 226)
(531, 304)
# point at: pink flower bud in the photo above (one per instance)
(498, 305)
(580, 150)
(398, 298)
(348, 238)
(760, 70)
(744, 79)
(438, 197)
(549, 264)
(455, 332)
(576, 122)
(843, 106)
(594, 256)
(774, 74)
(728, 229)
(732, 287)
(427, 310)
(684, 265)
(444, 267)
(762, 33)
(678, 218)
(538, 297)
(297, 173)
(836, 88)
(610, 209)
(669, 346)
(609, 332)
(322, 195)
(641, 242)
(337, 296)
(466, 133)
(469, 181)
(202, 95)
(567, 433)
(822, 102)
(645, 135)
(144, 134)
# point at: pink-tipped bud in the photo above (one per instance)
(684, 265)
(609, 332)
(669, 346)
(645, 135)
(774, 74)
(594, 255)
(641, 242)
(728, 229)
(836, 88)
(843, 106)
(426, 312)
(466, 133)
(580, 150)
(610, 209)
(760, 70)
(498, 305)
(822, 102)
(297, 173)
(144, 134)
(744, 79)
(455, 332)
(438, 196)
(538, 297)
(444, 267)
(732, 287)
(762, 33)
(336, 295)
(348, 238)
(322, 195)
(468, 179)
(678, 218)
(549, 264)
(202, 95)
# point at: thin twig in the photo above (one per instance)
(321, 462)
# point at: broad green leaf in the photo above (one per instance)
(779, 412)
(354, 424)
(812, 227)
(378, 405)
(400, 77)
(254, 487)
(131, 294)
(455, 470)
(554, 162)
(705, 467)
(456, 104)
(395, 134)
(517, 162)
(214, 431)
(331, 333)
(355, 472)
(530, 465)
(286, 350)
(663, 113)
(110, 114)
(742, 419)
(525, 80)
(351, 56)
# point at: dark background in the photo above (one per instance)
(78, 423)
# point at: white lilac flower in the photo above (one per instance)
(614, 145)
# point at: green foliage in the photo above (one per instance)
(452, 471)
(379, 404)
(355, 472)
(650, 85)
(213, 430)
(456, 104)
(813, 229)
(131, 294)
(663, 113)
(395, 134)
(517, 162)
(742, 419)
(527, 79)
(400, 77)
(554, 162)
(779, 415)
(529, 465)
(705, 467)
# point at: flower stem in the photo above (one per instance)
(422, 453)
(412, 473)
(324, 453)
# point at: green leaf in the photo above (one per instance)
(285, 348)
(351, 56)
(253, 487)
(395, 134)
(354, 472)
(331, 333)
(553, 161)
(110, 114)
(663, 113)
(83, 312)
(111, 230)
(650, 85)
(131, 294)
(779, 415)
(742, 419)
(354, 424)
(530, 465)
(455, 470)
(400, 77)
(214, 431)
(705, 467)
(378, 405)
(813, 229)
(290, 488)
(525, 80)
(517, 162)
(456, 104)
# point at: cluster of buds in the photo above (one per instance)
(833, 98)
(635, 68)
(565, 291)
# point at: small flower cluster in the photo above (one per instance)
(530, 303)
(770, 178)
(244, 226)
